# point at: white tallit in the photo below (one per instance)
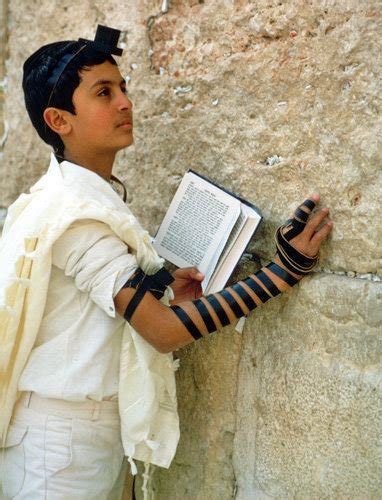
(147, 393)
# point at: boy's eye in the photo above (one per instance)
(104, 92)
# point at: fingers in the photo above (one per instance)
(310, 203)
(189, 273)
(195, 274)
(305, 208)
(296, 225)
(320, 236)
(304, 235)
(314, 197)
(314, 222)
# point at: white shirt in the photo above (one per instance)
(76, 355)
(147, 402)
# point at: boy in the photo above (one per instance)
(84, 385)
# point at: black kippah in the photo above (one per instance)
(35, 59)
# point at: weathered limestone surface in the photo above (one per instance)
(3, 36)
(273, 100)
(312, 100)
(207, 387)
(309, 402)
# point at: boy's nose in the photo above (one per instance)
(125, 103)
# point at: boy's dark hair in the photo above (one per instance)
(38, 68)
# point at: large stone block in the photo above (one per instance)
(309, 403)
(272, 100)
(206, 388)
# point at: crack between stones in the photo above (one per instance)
(235, 484)
(253, 257)
(351, 274)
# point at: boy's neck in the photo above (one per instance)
(100, 164)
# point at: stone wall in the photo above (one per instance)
(273, 100)
(3, 39)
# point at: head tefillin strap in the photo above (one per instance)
(106, 41)
(155, 283)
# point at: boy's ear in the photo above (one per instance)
(57, 121)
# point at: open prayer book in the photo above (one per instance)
(207, 227)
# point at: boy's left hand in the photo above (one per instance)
(314, 233)
(187, 284)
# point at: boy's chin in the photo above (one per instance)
(125, 146)
(128, 145)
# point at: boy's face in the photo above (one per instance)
(103, 119)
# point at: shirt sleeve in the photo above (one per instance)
(98, 261)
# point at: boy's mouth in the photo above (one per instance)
(125, 122)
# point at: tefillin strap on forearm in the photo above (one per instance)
(262, 288)
(292, 259)
(142, 283)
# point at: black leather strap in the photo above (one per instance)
(159, 281)
(206, 316)
(281, 273)
(309, 204)
(154, 283)
(268, 283)
(134, 303)
(115, 179)
(135, 280)
(244, 295)
(291, 266)
(299, 220)
(287, 264)
(218, 308)
(303, 263)
(259, 291)
(301, 215)
(295, 230)
(187, 321)
(231, 301)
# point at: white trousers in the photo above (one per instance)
(59, 450)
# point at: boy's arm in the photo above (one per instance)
(169, 328)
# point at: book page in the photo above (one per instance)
(197, 224)
(238, 241)
(233, 236)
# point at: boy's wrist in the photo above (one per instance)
(276, 259)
